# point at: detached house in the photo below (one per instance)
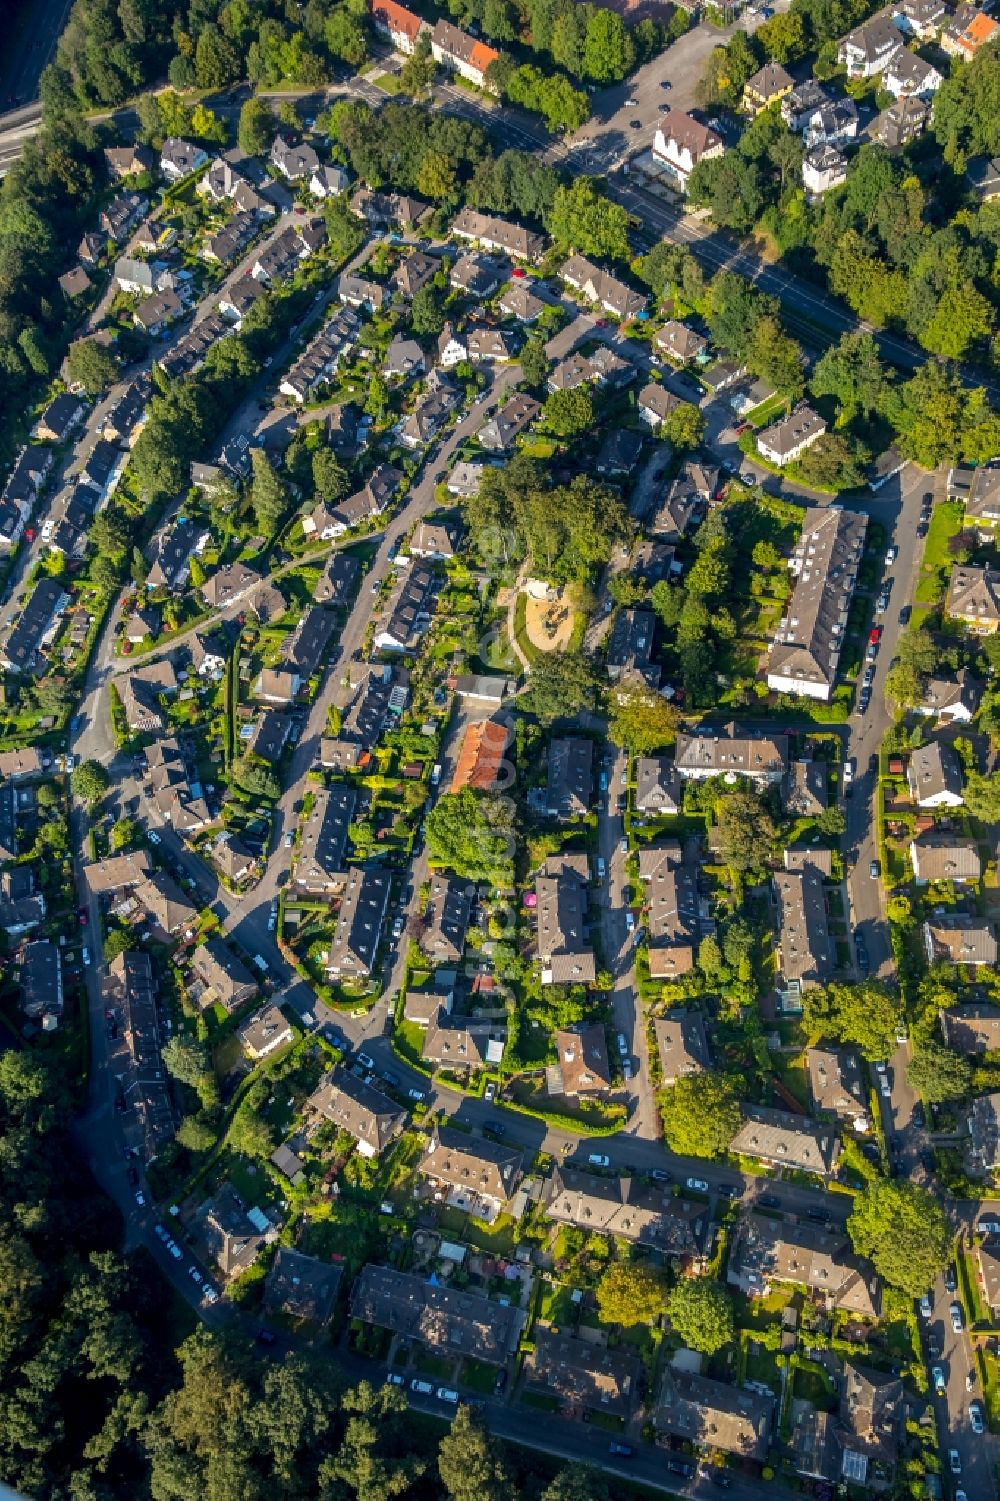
(967, 32)
(935, 776)
(293, 161)
(909, 77)
(868, 50)
(179, 159)
(901, 123)
(681, 143)
(583, 1059)
(823, 168)
(766, 87)
(974, 598)
(400, 25)
(602, 288)
(680, 343)
(469, 58)
(805, 949)
(564, 953)
(343, 1101)
(786, 1140)
(500, 434)
(954, 938)
(785, 441)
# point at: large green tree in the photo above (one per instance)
(561, 684)
(630, 1292)
(583, 219)
(938, 1073)
(701, 1312)
(640, 720)
(470, 1466)
(472, 833)
(868, 1014)
(700, 1114)
(90, 781)
(903, 1231)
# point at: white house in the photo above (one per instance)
(681, 143)
(909, 77)
(867, 51)
(452, 348)
(400, 25)
(785, 441)
(823, 168)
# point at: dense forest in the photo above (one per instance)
(97, 1403)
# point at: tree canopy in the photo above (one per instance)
(701, 1114)
(867, 1014)
(903, 1231)
(472, 833)
(701, 1311)
(630, 1292)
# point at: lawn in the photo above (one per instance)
(479, 1376)
(498, 1238)
(935, 570)
(556, 1304)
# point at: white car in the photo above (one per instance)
(447, 1394)
(626, 1069)
(174, 1250)
(954, 1462)
(622, 1044)
(630, 921)
(976, 1418)
(154, 837)
(140, 1198)
(85, 955)
(698, 1185)
(599, 1159)
(195, 1275)
(489, 1093)
(289, 839)
(209, 1293)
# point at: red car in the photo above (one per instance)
(518, 274)
(29, 532)
(875, 635)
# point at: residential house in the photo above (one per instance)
(619, 454)
(74, 283)
(656, 403)
(228, 585)
(974, 598)
(433, 539)
(141, 692)
(121, 215)
(786, 1140)
(823, 168)
(304, 649)
(583, 1060)
(972, 1028)
(488, 345)
(403, 358)
(760, 755)
(626, 1208)
(922, 19)
(956, 938)
(630, 647)
(232, 240)
(988, 1266)
(359, 924)
(786, 440)
(21, 765)
(126, 417)
(470, 58)
(423, 1003)
(869, 49)
(452, 348)
(900, 124)
(570, 778)
(476, 1176)
(171, 565)
(92, 247)
(935, 776)
(41, 983)
(769, 1251)
(400, 25)
(908, 76)
(408, 611)
(446, 919)
(464, 1043)
(502, 431)
(61, 417)
(336, 583)
(979, 491)
(679, 342)
(21, 907)
(322, 356)
(983, 176)
(445, 1319)
(130, 990)
(984, 1132)
(804, 99)
(209, 652)
(670, 909)
(320, 868)
(657, 786)
(238, 298)
(681, 142)
(967, 32)
(277, 685)
(293, 161)
(224, 978)
(585, 1375)
(34, 628)
(178, 159)
(767, 86)
(350, 1105)
(301, 1287)
(832, 124)
(807, 644)
(807, 793)
(837, 1086)
(713, 1414)
(388, 208)
(156, 313)
(498, 235)
(359, 292)
(482, 757)
(232, 858)
(168, 908)
(234, 1236)
(265, 1031)
(872, 1412)
(519, 301)
(954, 700)
(128, 161)
(476, 275)
(945, 857)
(107, 877)
(681, 1045)
(564, 953)
(600, 287)
(413, 274)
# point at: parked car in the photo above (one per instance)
(937, 1376)
(957, 1318)
(425, 1388)
(954, 1462)
(489, 1093)
(621, 1451)
(697, 1185)
(976, 1422)
(447, 1394)
(926, 1305)
(950, 1281)
(599, 1159)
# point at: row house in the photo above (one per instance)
(498, 235)
(322, 356)
(681, 142)
(805, 654)
(471, 59)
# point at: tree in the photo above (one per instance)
(701, 1114)
(562, 684)
(251, 1134)
(437, 176)
(852, 373)
(642, 721)
(583, 219)
(938, 1074)
(904, 687)
(426, 313)
(124, 831)
(867, 1014)
(255, 777)
(329, 475)
(608, 53)
(775, 357)
(903, 1231)
(534, 363)
(832, 462)
(629, 1293)
(469, 1466)
(982, 796)
(186, 1059)
(831, 821)
(90, 781)
(118, 941)
(375, 1460)
(685, 426)
(917, 649)
(267, 494)
(962, 317)
(345, 37)
(472, 833)
(731, 189)
(576, 1483)
(570, 413)
(256, 127)
(702, 1314)
(216, 61)
(91, 365)
(746, 831)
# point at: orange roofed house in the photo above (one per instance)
(969, 30)
(481, 756)
(456, 49)
(402, 26)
